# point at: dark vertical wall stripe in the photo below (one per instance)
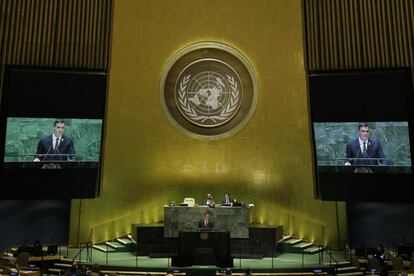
(58, 33)
(357, 34)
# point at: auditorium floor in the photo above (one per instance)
(128, 259)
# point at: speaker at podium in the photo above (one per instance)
(204, 248)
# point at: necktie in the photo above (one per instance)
(205, 223)
(56, 144)
(364, 150)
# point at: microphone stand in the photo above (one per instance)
(45, 156)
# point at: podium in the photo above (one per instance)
(184, 219)
(365, 161)
(204, 248)
(54, 165)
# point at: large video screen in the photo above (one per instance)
(362, 126)
(48, 140)
(51, 132)
(353, 147)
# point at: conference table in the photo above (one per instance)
(234, 220)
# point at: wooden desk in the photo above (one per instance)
(278, 274)
(131, 273)
(33, 259)
(29, 273)
(5, 271)
(46, 258)
(388, 263)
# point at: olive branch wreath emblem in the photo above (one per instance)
(225, 113)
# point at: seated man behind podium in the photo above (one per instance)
(206, 223)
(364, 147)
(227, 200)
(56, 146)
(209, 201)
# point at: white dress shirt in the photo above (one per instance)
(54, 140)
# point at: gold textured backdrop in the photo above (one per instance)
(56, 33)
(148, 162)
(359, 34)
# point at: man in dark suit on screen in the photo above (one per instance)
(56, 147)
(364, 151)
(206, 223)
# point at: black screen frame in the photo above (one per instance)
(83, 94)
(362, 187)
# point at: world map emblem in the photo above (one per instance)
(209, 98)
(208, 90)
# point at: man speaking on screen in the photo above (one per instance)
(364, 151)
(56, 147)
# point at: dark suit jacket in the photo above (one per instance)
(210, 224)
(211, 205)
(66, 146)
(374, 150)
(231, 200)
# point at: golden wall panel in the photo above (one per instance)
(358, 34)
(55, 33)
(147, 162)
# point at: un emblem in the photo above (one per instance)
(209, 98)
(204, 236)
(209, 90)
